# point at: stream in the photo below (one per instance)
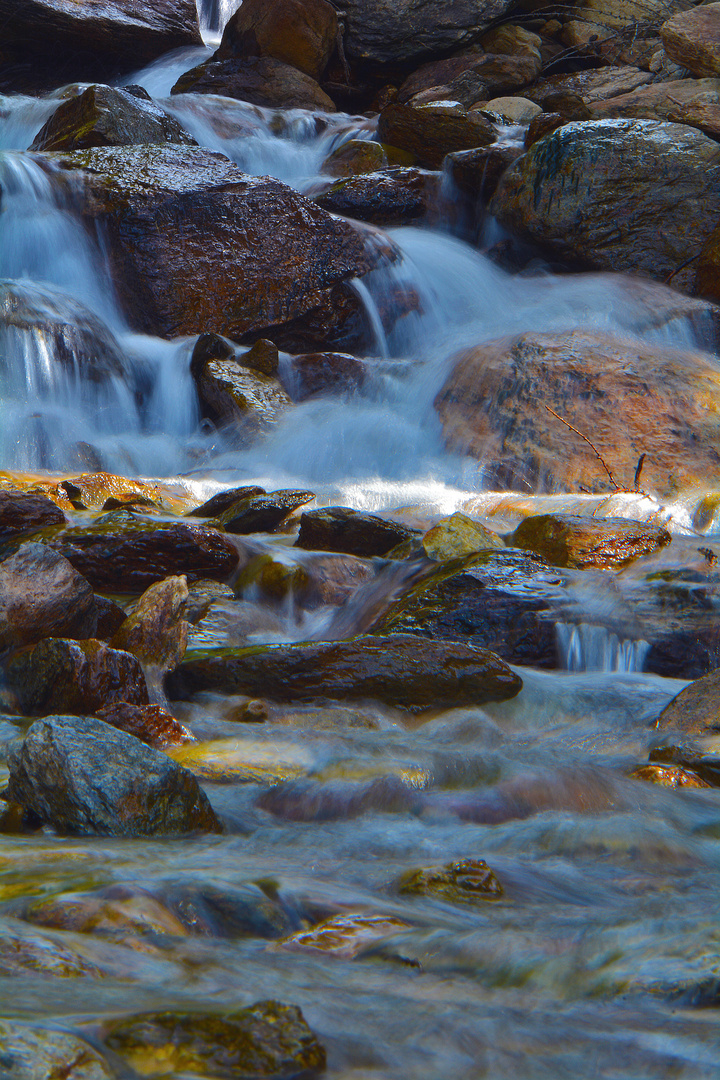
(607, 938)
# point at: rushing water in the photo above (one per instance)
(590, 965)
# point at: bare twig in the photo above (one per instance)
(594, 448)
(638, 470)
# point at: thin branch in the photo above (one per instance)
(640, 464)
(594, 448)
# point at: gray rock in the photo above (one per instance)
(42, 595)
(33, 1053)
(84, 777)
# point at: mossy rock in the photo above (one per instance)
(570, 540)
(467, 882)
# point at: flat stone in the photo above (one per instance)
(338, 528)
(23, 512)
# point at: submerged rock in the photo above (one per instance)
(656, 176)
(84, 777)
(42, 1053)
(196, 245)
(338, 528)
(43, 595)
(105, 116)
(265, 1040)
(346, 936)
(581, 542)
(60, 675)
(465, 882)
(24, 512)
(398, 670)
(310, 374)
(629, 399)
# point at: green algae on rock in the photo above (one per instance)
(465, 882)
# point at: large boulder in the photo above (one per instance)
(84, 777)
(197, 245)
(397, 670)
(432, 131)
(390, 32)
(695, 712)
(302, 33)
(692, 39)
(661, 180)
(42, 595)
(582, 542)
(94, 39)
(261, 80)
(104, 116)
(629, 399)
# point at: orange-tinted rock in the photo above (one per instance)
(156, 631)
(671, 776)
(92, 491)
(22, 512)
(221, 502)
(261, 80)
(152, 724)
(346, 936)
(695, 712)
(432, 131)
(628, 399)
(692, 39)
(59, 675)
(583, 542)
(302, 33)
(42, 595)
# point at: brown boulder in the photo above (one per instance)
(42, 595)
(263, 513)
(156, 631)
(477, 172)
(629, 399)
(151, 724)
(24, 512)
(130, 557)
(583, 542)
(323, 373)
(692, 39)
(355, 157)
(261, 80)
(338, 528)
(60, 675)
(695, 712)
(199, 246)
(224, 500)
(432, 131)
(396, 196)
(241, 400)
(403, 671)
(302, 33)
(93, 491)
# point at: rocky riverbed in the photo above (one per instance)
(359, 539)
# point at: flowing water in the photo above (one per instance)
(596, 960)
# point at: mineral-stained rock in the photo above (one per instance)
(261, 80)
(692, 39)
(30, 1053)
(265, 1040)
(197, 245)
(95, 39)
(151, 724)
(263, 513)
(73, 676)
(156, 632)
(456, 536)
(130, 557)
(695, 712)
(465, 882)
(236, 397)
(104, 116)
(302, 33)
(432, 131)
(82, 776)
(396, 196)
(93, 491)
(688, 757)
(399, 670)
(338, 528)
(42, 595)
(346, 936)
(629, 399)
(582, 542)
(671, 776)
(221, 502)
(24, 512)
(657, 176)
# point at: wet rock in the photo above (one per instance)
(42, 595)
(466, 882)
(398, 670)
(266, 1040)
(110, 617)
(322, 373)
(477, 172)
(707, 278)
(42, 1053)
(151, 724)
(261, 80)
(338, 528)
(395, 196)
(588, 87)
(263, 513)
(689, 758)
(222, 911)
(501, 601)
(432, 131)
(692, 39)
(493, 407)
(23, 512)
(156, 631)
(234, 396)
(45, 321)
(354, 157)
(581, 542)
(511, 110)
(695, 102)
(456, 536)
(60, 675)
(104, 116)
(200, 597)
(541, 126)
(112, 912)
(88, 41)
(346, 936)
(224, 500)
(129, 557)
(302, 33)
(239, 761)
(93, 491)
(196, 245)
(671, 776)
(695, 712)
(318, 581)
(339, 800)
(84, 777)
(656, 176)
